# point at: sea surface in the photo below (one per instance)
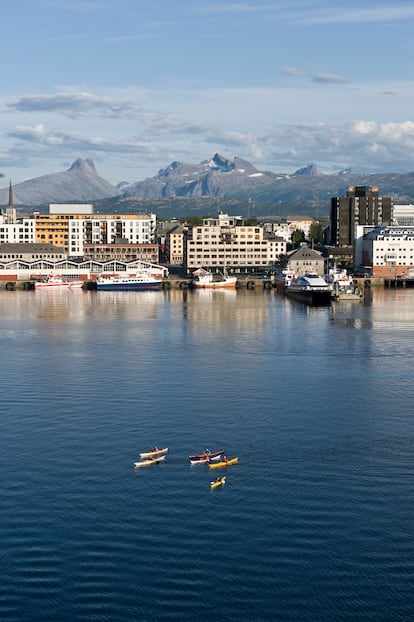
(316, 521)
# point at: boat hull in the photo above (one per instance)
(39, 286)
(214, 485)
(220, 465)
(153, 454)
(149, 461)
(309, 297)
(206, 458)
(230, 283)
(132, 286)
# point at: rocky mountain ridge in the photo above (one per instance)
(206, 187)
(80, 183)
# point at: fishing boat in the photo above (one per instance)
(57, 282)
(311, 289)
(129, 282)
(153, 453)
(150, 461)
(204, 279)
(206, 457)
(224, 463)
(220, 481)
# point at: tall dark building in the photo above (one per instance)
(362, 205)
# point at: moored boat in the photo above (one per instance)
(150, 461)
(137, 282)
(206, 457)
(220, 481)
(57, 282)
(204, 279)
(153, 453)
(224, 463)
(311, 289)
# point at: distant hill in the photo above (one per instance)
(80, 183)
(219, 184)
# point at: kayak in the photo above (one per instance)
(149, 461)
(217, 484)
(153, 453)
(203, 458)
(218, 465)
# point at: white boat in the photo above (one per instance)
(204, 279)
(153, 453)
(139, 281)
(283, 279)
(311, 289)
(149, 461)
(57, 282)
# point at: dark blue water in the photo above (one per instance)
(315, 522)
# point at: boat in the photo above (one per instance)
(217, 483)
(283, 280)
(57, 282)
(129, 282)
(153, 453)
(150, 461)
(343, 286)
(204, 279)
(206, 457)
(311, 289)
(224, 463)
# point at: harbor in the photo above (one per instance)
(251, 283)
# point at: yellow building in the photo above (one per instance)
(74, 226)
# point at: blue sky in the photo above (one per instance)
(136, 84)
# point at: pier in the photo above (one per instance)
(246, 282)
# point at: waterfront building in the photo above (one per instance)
(403, 215)
(227, 242)
(122, 250)
(175, 245)
(387, 251)
(30, 252)
(362, 205)
(75, 225)
(306, 259)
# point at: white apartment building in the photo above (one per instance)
(19, 232)
(389, 250)
(226, 242)
(106, 229)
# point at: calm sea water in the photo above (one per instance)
(315, 522)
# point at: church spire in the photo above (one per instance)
(10, 195)
(11, 216)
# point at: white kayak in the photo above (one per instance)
(149, 461)
(153, 453)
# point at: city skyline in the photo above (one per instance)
(136, 85)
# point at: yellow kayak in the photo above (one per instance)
(218, 483)
(218, 465)
(149, 461)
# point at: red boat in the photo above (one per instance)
(206, 457)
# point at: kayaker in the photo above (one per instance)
(218, 478)
(207, 451)
(225, 459)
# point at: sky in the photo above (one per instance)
(137, 84)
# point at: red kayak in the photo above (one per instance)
(206, 457)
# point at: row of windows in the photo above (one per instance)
(233, 258)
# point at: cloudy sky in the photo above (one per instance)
(137, 84)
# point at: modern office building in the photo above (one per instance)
(362, 205)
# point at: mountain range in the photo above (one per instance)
(183, 189)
